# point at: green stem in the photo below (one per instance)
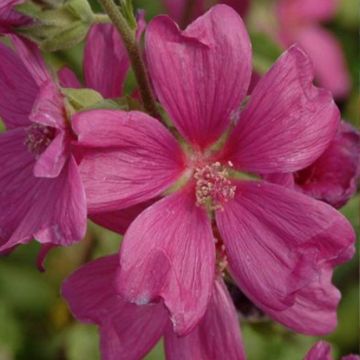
(129, 39)
(101, 19)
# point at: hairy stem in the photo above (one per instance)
(129, 39)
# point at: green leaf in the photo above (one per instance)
(80, 99)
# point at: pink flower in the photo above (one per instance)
(128, 331)
(334, 176)
(280, 245)
(322, 351)
(9, 18)
(299, 22)
(41, 192)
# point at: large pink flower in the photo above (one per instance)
(10, 18)
(281, 245)
(41, 193)
(299, 22)
(322, 351)
(128, 331)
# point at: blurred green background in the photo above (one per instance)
(34, 320)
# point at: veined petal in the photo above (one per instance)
(287, 124)
(106, 61)
(314, 311)
(30, 55)
(168, 252)
(50, 210)
(278, 240)
(320, 351)
(52, 160)
(217, 335)
(127, 331)
(48, 108)
(327, 56)
(334, 176)
(19, 89)
(201, 74)
(128, 158)
(68, 79)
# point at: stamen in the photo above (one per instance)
(213, 188)
(38, 138)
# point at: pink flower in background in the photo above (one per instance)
(299, 22)
(183, 11)
(334, 176)
(322, 351)
(281, 245)
(128, 331)
(41, 194)
(9, 18)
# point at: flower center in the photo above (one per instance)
(213, 187)
(38, 138)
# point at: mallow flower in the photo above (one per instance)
(10, 18)
(322, 351)
(279, 245)
(41, 193)
(129, 331)
(300, 22)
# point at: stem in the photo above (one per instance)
(101, 19)
(129, 39)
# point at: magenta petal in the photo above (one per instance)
(129, 158)
(168, 252)
(30, 55)
(334, 177)
(119, 220)
(50, 210)
(52, 160)
(315, 309)
(241, 6)
(217, 334)
(127, 331)
(105, 60)
(327, 56)
(68, 79)
(287, 123)
(277, 240)
(320, 351)
(201, 74)
(177, 10)
(48, 108)
(18, 89)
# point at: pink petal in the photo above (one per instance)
(201, 74)
(18, 89)
(9, 18)
(277, 240)
(30, 55)
(328, 58)
(68, 79)
(168, 252)
(127, 331)
(288, 122)
(129, 158)
(48, 108)
(50, 210)
(320, 351)
(351, 357)
(217, 334)
(286, 180)
(119, 221)
(315, 307)
(334, 177)
(53, 159)
(106, 61)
